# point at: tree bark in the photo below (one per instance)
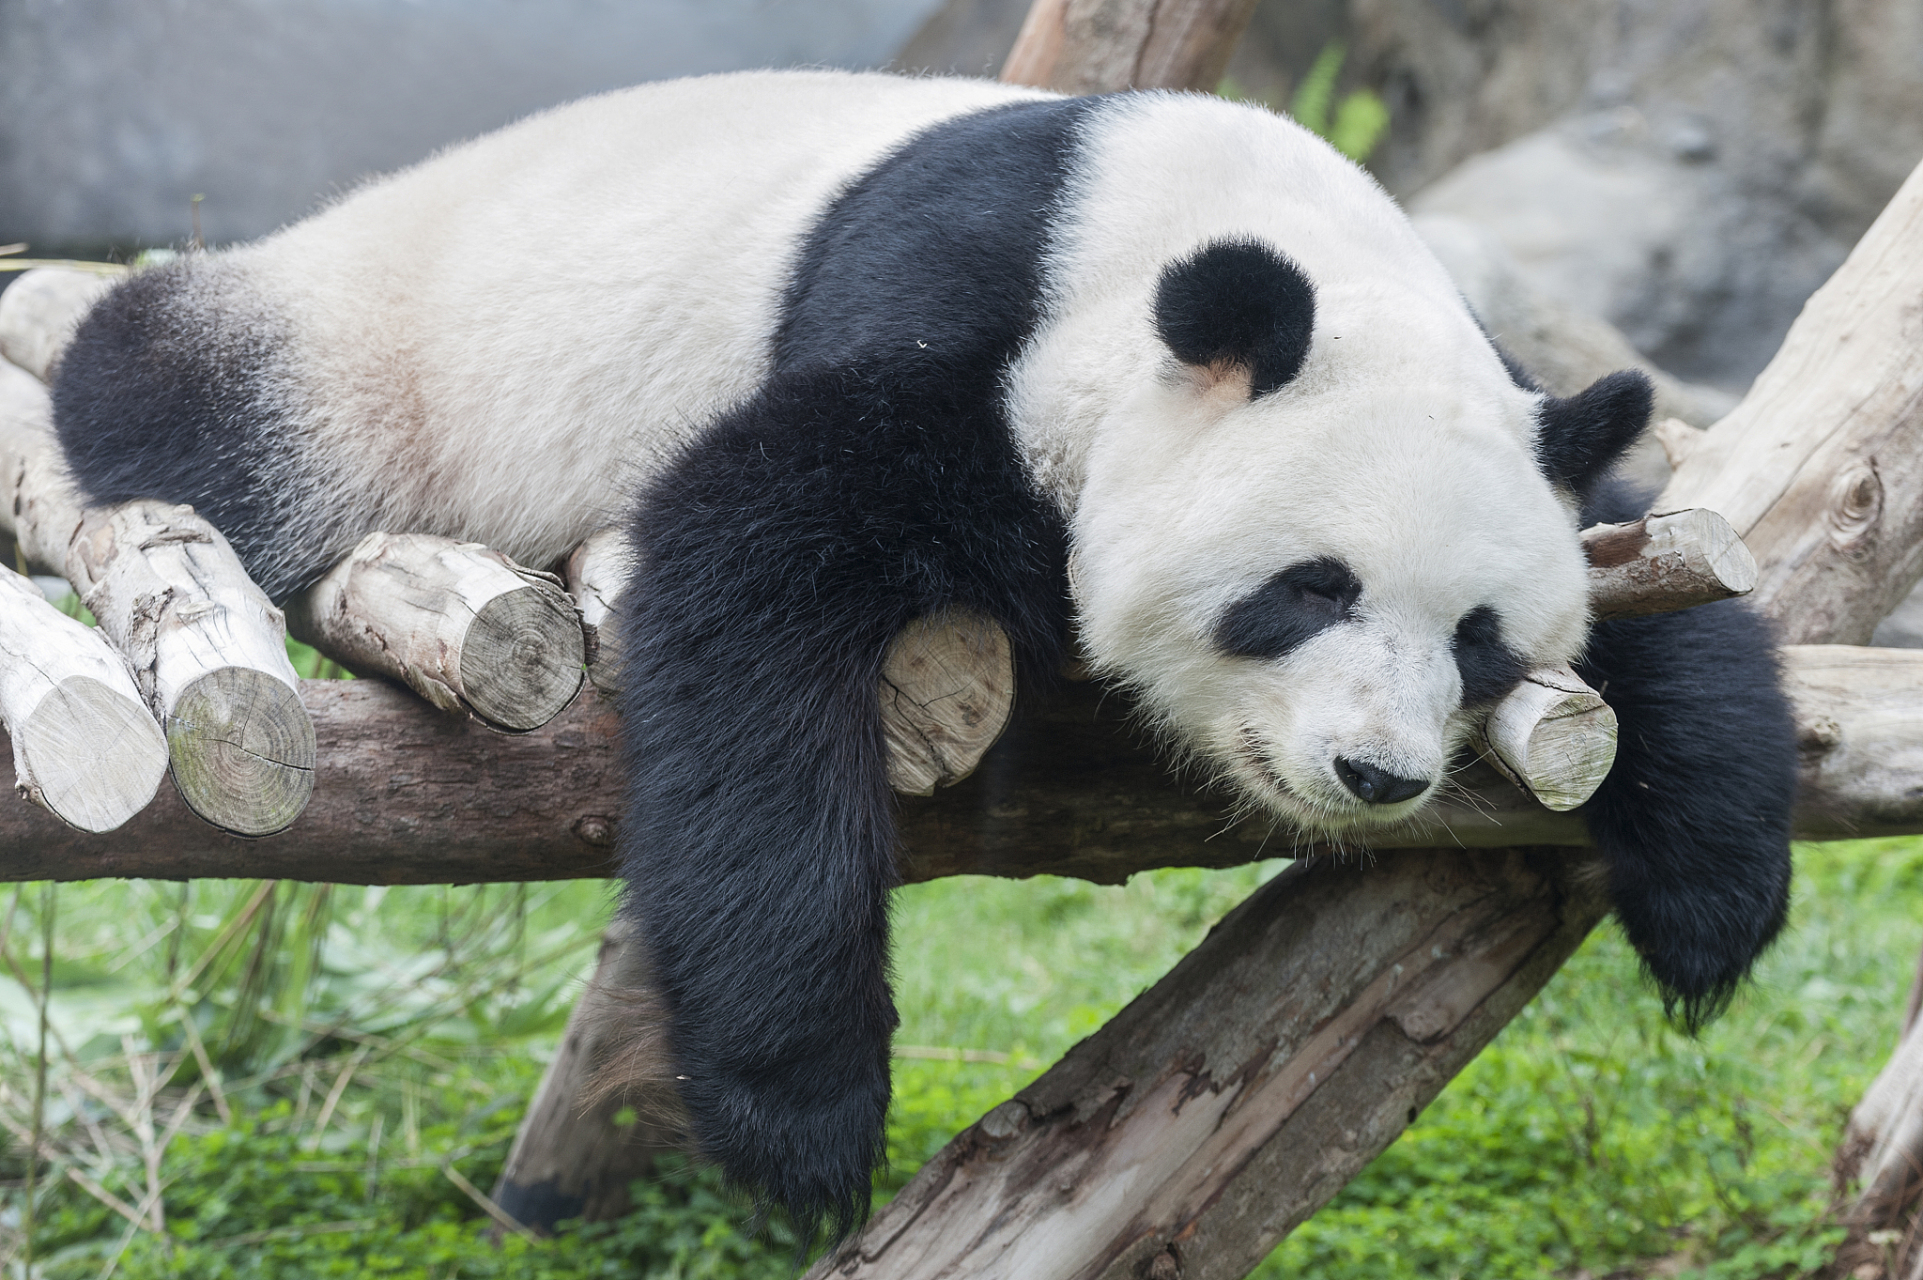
(1222, 1107)
(209, 655)
(465, 627)
(405, 795)
(1100, 46)
(573, 1156)
(85, 747)
(1820, 468)
(1662, 563)
(206, 648)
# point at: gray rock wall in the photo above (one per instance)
(115, 113)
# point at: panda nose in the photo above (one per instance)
(1377, 786)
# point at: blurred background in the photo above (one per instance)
(1686, 170)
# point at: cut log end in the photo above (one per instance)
(242, 749)
(91, 755)
(1664, 562)
(948, 688)
(522, 659)
(1554, 737)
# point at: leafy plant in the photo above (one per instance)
(1353, 124)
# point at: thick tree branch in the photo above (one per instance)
(406, 795)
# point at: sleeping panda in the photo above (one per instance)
(1157, 370)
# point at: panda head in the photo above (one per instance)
(1330, 530)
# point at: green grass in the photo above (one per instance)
(1589, 1137)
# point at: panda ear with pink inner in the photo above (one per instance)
(1237, 309)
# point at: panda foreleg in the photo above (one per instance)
(1694, 817)
(777, 558)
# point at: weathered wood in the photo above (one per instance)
(405, 795)
(38, 506)
(39, 312)
(208, 653)
(206, 648)
(947, 691)
(1222, 1107)
(1664, 562)
(1820, 468)
(461, 625)
(573, 1158)
(85, 747)
(596, 573)
(1859, 718)
(1099, 46)
(1553, 736)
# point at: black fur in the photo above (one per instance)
(1694, 817)
(160, 397)
(1581, 436)
(1238, 302)
(1288, 609)
(873, 478)
(1489, 668)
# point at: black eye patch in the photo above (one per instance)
(1294, 605)
(1489, 667)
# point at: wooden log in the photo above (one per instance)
(85, 748)
(465, 627)
(947, 684)
(405, 795)
(1099, 46)
(38, 507)
(573, 1156)
(39, 312)
(1879, 1167)
(206, 648)
(209, 655)
(597, 572)
(1664, 562)
(1857, 710)
(947, 691)
(1222, 1107)
(1820, 468)
(1553, 736)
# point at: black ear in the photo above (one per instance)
(1581, 436)
(1239, 303)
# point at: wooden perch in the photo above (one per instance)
(465, 627)
(1098, 46)
(1222, 1107)
(1819, 469)
(206, 649)
(571, 1159)
(1553, 736)
(1664, 562)
(39, 312)
(85, 747)
(208, 653)
(596, 573)
(405, 795)
(947, 690)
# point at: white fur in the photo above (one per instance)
(498, 343)
(1402, 448)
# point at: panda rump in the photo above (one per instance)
(843, 350)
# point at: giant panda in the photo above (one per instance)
(1155, 371)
